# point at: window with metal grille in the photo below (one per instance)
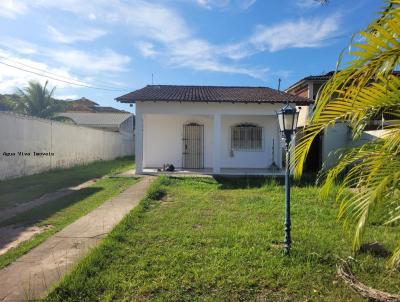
(246, 137)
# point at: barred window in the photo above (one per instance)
(246, 137)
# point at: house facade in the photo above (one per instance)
(209, 129)
(85, 112)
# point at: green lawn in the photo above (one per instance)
(59, 213)
(62, 212)
(208, 240)
(26, 188)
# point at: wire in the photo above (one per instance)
(57, 75)
(64, 81)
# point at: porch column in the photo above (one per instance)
(139, 142)
(217, 144)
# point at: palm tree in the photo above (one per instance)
(366, 87)
(37, 100)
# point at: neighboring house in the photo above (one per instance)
(87, 113)
(337, 137)
(211, 129)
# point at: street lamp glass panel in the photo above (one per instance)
(288, 121)
(287, 118)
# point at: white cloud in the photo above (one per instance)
(222, 4)
(237, 51)
(163, 34)
(12, 78)
(66, 97)
(88, 34)
(159, 24)
(201, 55)
(145, 18)
(209, 4)
(18, 46)
(155, 21)
(12, 8)
(105, 61)
(146, 49)
(299, 34)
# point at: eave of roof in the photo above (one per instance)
(211, 94)
(321, 79)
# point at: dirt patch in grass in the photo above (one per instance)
(49, 197)
(11, 236)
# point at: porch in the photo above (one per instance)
(209, 144)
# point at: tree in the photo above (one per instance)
(7, 103)
(37, 100)
(366, 87)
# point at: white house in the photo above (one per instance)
(209, 129)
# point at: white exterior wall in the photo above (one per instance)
(304, 113)
(162, 139)
(335, 137)
(338, 137)
(250, 159)
(163, 125)
(71, 145)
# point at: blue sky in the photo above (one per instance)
(118, 44)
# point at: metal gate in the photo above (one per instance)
(193, 146)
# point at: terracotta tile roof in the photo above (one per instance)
(173, 93)
(85, 105)
(322, 78)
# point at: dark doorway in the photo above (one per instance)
(314, 158)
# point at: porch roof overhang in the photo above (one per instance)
(211, 94)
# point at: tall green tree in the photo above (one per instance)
(37, 100)
(363, 89)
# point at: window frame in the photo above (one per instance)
(241, 145)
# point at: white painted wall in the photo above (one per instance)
(163, 125)
(335, 138)
(304, 114)
(70, 144)
(367, 136)
(162, 139)
(250, 159)
(338, 137)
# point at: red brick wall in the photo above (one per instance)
(300, 91)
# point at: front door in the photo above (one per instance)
(193, 146)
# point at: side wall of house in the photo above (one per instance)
(66, 145)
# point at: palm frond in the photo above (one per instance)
(369, 175)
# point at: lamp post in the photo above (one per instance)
(287, 118)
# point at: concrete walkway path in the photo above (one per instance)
(34, 273)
